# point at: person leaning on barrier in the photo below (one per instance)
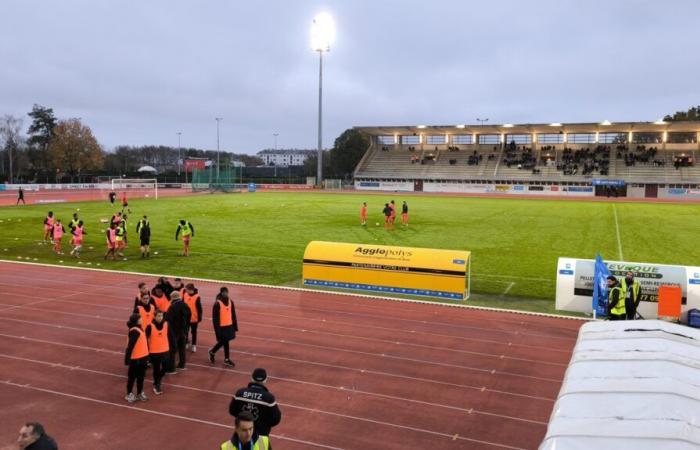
(616, 300)
(257, 400)
(245, 437)
(630, 288)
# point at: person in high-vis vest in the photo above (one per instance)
(78, 232)
(616, 300)
(245, 437)
(630, 288)
(136, 357)
(111, 235)
(74, 222)
(119, 238)
(160, 340)
(225, 325)
(187, 233)
(192, 300)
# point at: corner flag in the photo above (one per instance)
(600, 287)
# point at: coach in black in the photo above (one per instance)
(258, 401)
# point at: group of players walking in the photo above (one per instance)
(163, 327)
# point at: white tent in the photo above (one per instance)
(147, 169)
(630, 385)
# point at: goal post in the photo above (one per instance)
(139, 187)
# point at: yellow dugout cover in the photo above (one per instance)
(387, 269)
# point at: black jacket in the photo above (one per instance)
(171, 335)
(256, 399)
(178, 316)
(228, 332)
(45, 442)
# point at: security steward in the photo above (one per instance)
(630, 287)
(259, 402)
(245, 436)
(616, 300)
(178, 316)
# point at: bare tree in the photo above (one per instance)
(11, 139)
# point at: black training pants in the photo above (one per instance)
(193, 327)
(137, 372)
(159, 361)
(223, 344)
(179, 351)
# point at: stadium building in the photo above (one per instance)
(631, 159)
(285, 157)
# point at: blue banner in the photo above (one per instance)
(600, 287)
(603, 182)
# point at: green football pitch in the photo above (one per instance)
(260, 237)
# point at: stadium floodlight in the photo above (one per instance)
(606, 123)
(322, 36)
(555, 124)
(482, 121)
(179, 158)
(508, 125)
(218, 119)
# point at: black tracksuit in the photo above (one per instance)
(137, 367)
(178, 316)
(159, 361)
(226, 333)
(45, 442)
(256, 399)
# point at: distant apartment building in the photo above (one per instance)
(285, 157)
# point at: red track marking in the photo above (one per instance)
(445, 371)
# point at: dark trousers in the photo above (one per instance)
(618, 317)
(137, 372)
(223, 344)
(630, 308)
(159, 361)
(193, 328)
(179, 351)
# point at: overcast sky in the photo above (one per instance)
(138, 71)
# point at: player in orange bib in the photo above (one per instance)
(48, 226)
(57, 234)
(160, 340)
(111, 241)
(363, 214)
(136, 357)
(392, 205)
(225, 325)
(77, 240)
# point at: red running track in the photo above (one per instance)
(48, 196)
(348, 372)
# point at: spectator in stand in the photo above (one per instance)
(32, 436)
(257, 400)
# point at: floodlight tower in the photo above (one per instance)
(322, 36)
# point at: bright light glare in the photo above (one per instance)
(660, 122)
(459, 126)
(606, 123)
(322, 32)
(507, 125)
(555, 124)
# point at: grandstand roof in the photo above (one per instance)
(544, 128)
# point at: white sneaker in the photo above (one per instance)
(194, 349)
(131, 398)
(142, 397)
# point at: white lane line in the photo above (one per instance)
(288, 359)
(308, 331)
(617, 231)
(510, 286)
(158, 413)
(340, 350)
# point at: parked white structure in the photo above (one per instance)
(285, 157)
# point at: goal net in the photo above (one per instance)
(136, 187)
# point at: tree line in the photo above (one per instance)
(65, 150)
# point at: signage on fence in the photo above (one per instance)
(387, 269)
(575, 283)
(192, 164)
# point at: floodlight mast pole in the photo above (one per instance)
(319, 168)
(179, 158)
(218, 119)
